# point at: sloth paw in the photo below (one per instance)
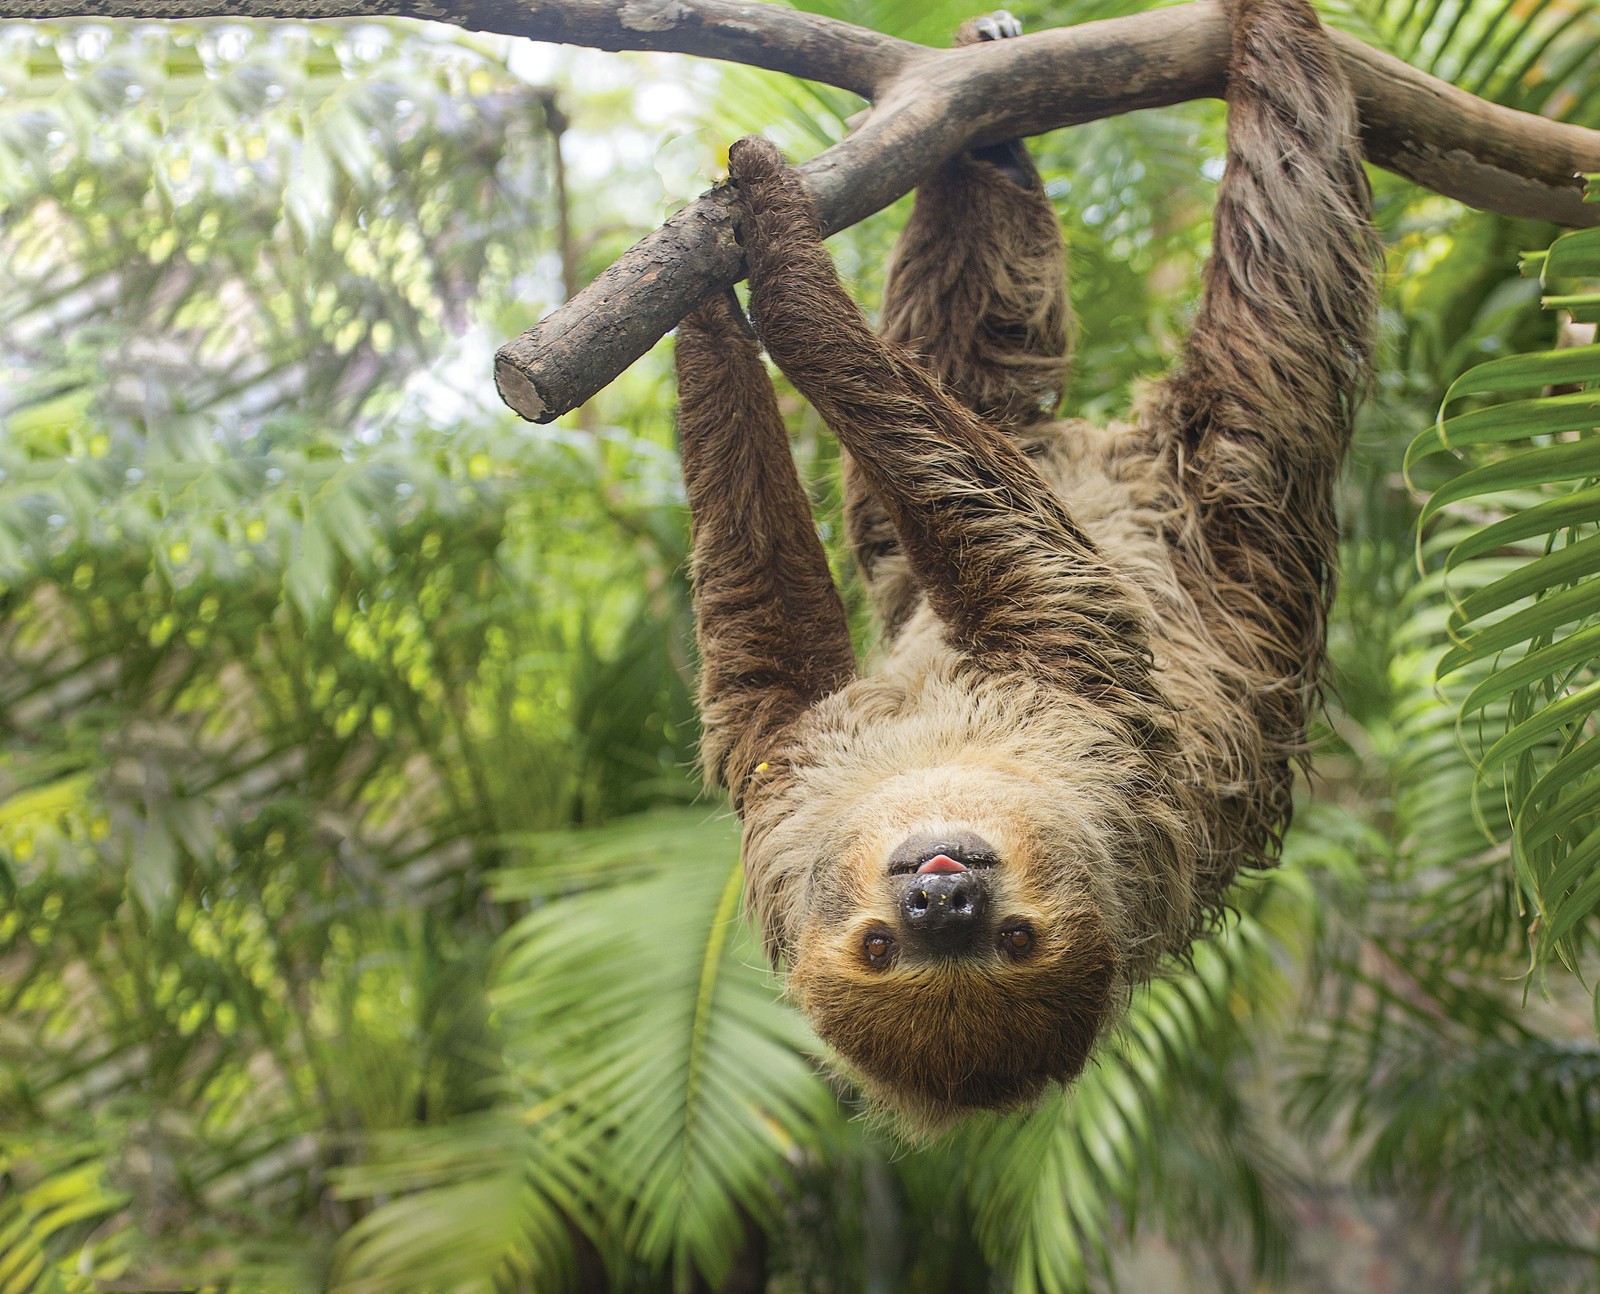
(772, 200)
(765, 181)
(999, 25)
(753, 159)
(1010, 158)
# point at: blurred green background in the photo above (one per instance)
(362, 923)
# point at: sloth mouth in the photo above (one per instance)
(940, 863)
(929, 855)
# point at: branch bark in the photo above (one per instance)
(933, 103)
(927, 105)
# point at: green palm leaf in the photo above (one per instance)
(1531, 56)
(483, 1204)
(55, 1200)
(641, 1008)
(1522, 578)
(1156, 1125)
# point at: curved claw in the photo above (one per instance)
(998, 25)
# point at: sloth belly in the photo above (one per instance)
(1116, 490)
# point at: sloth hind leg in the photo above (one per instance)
(977, 294)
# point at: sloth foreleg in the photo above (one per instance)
(772, 631)
(1015, 581)
(1257, 418)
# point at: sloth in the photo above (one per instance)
(1099, 644)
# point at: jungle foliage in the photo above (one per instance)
(362, 923)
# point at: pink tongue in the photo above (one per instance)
(940, 863)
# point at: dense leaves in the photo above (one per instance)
(288, 649)
(1523, 598)
(359, 927)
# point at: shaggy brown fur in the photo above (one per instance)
(1101, 643)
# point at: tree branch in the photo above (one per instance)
(760, 34)
(928, 104)
(936, 102)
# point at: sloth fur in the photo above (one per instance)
(1099, 643)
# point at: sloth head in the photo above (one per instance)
(956, 943)
(958, 984)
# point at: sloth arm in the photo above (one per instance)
(1256, 420)
(977, 294)
(1015, 581)
(772, 631)
(977, 287)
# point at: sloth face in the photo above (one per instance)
(956, 969)
(961, 920)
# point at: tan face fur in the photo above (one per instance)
(1015, 1003)
(989, 1009)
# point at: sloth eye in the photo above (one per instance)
(1016, 940)
(878, 946)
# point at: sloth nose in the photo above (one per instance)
(943, 909)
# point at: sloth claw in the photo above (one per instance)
(999, 25)
(1011, 158)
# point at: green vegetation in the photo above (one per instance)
(362, 923)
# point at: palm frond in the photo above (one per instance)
(1157, 1128)
(1522, 575)
(54, 1204)
(1527, 56)
(482, 1204)
(641, 1009)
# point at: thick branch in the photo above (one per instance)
(928, 105)
(760, 34)
(942, 101)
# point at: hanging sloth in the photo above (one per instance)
(1100, 643)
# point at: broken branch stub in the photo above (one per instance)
(560, 362)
